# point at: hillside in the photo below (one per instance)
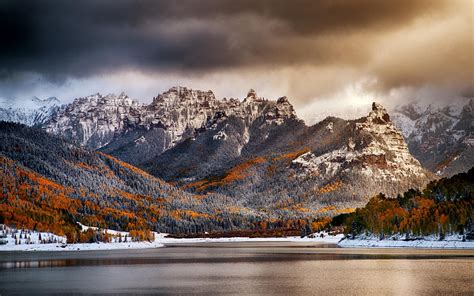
(332, 166)
(49, 184)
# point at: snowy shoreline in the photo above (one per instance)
(161, 240)
(397, 241)
(327, 239)
(36, 242)
(81, 247)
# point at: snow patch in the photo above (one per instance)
(45, 241)
(220, 136)
(398, 241)
(321, 237)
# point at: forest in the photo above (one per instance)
(444, 207)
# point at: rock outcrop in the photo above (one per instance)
(375, 149)
(123, 127)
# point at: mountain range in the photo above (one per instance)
(440, 137)
(189, 162)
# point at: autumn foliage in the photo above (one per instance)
(444, 207)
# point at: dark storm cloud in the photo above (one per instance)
(76, 38)
(321, 46)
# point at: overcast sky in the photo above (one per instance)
(323, 55)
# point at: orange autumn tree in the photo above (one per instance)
(444, 207)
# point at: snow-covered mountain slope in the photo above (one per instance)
(384, 156)
(439, 137)
(33, 111)
(283, 166)
(94, 120)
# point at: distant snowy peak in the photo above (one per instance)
(33, 111)
(30, 103)
(437, 134)
(46, 102)
(430, 116)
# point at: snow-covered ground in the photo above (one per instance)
(17, 240)
(316, 239)
(81, 247)
(14, 239)
(29, 240)
(397, 241)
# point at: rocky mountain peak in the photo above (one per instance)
(252, 97)
(379, 114)
(103, 101)
(252, 93)
(96, 120)
(122, 95)
(179, 95)
(374, 149)
(469, 107)
(283, 100)
(280, 111)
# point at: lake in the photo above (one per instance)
(240, 268)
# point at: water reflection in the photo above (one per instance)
(261, 269)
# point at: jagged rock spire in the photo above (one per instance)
(252, 94)
(379, 114)
(283, 100)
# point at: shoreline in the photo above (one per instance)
(324, 240)
(160, 241)
(80, 247)
(397, 241)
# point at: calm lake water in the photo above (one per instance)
(240, 268)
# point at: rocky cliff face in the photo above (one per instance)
(136, 133)
(93, 121)
(375, 149)
(441, 138)
(32, 112)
